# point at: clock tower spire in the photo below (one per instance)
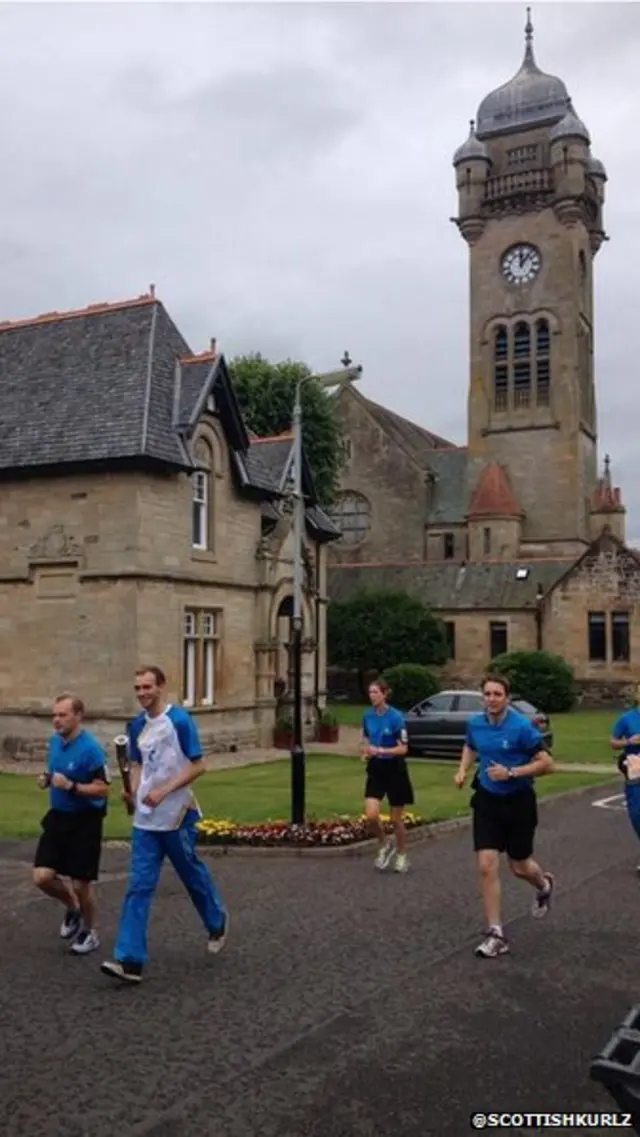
(530, 200)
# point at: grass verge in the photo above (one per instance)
(261, 793)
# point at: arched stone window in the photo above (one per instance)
(521, 365)
(501, 368)
(202, 497)
(543, 363)
(351, 514)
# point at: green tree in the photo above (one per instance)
(378, 628)
(544, 679)
(410, 683)
(266, 394)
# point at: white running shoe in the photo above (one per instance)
(385, 856)
(85, 942)
(218, 939)
(71, 924)
(402, 863)
(492, 945)
(542, 902)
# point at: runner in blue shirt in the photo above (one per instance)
(384, 749)
(626, 737)
(510, 753)
(71, 841)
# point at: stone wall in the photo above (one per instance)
(393, 485)
(608, 581)
(24, 738)
(96, 574)
(473, 641)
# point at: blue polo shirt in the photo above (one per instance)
(82, 760)
(385, 730)
(514, 741)
(627, 725)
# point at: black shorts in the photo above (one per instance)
(71, 843)
(505, 822)
(389, 777)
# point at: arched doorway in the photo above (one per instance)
(284, 638)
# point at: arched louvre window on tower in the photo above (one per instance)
(521, 365)
(543, 363)
(501, 369)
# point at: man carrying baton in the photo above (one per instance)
(166, 756)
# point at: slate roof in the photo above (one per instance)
(195, 370)
(449, 489)
(493, 495)
(269, 456)
(445, 586)
(96, 384)
(118, 382)
(416, 439)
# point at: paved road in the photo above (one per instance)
(347, 1004)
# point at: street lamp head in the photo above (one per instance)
(339, 378)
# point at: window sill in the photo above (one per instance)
(204, 555)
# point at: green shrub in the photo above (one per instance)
(410, 683)
(543, 679)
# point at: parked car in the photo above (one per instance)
(436, 727)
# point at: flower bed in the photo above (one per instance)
(338, 831)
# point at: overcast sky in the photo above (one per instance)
(283, 174)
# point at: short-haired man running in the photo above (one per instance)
(510, 753)
(166, 754)
(71, 841)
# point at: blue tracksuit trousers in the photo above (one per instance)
(632, 795)
(148, 851)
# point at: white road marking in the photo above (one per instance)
(615, 802)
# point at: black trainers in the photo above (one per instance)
(218, 939)
(124, 970)
(542, 902)
(71, 924)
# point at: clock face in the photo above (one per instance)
(521, 264)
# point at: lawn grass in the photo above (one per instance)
(581, 736)
(262, 792)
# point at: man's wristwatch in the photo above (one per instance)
(73, 787)
(512, 773)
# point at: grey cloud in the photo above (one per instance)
(283, 174)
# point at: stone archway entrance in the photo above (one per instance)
(284, 642)
(284, 663)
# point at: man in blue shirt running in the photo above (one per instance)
(510, 753)
(164, 748)
(384, 749)
(626, 737)
(71, 841)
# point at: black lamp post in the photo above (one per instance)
(298, 757)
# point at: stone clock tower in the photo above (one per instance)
(530, 198)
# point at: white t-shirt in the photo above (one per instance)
(163, 746)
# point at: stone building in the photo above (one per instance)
(501, 535)
(140, 522)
